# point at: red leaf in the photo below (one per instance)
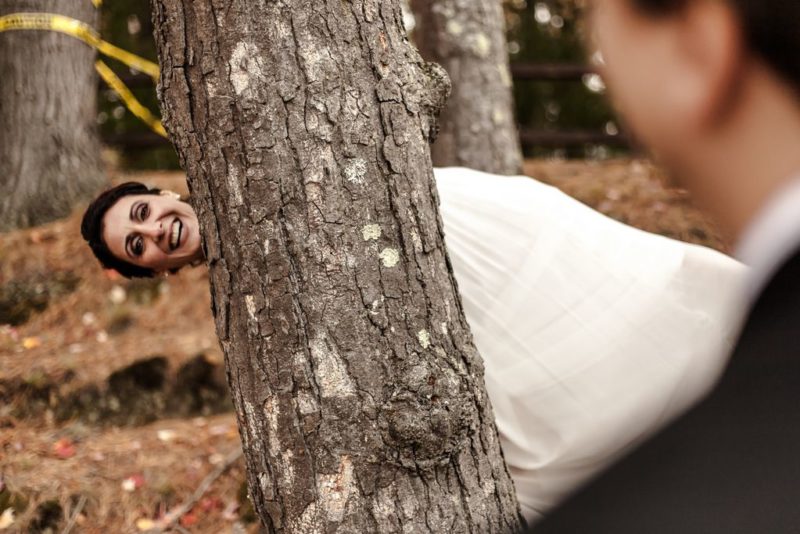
(64, 448)
(188, 520)
(208, 504)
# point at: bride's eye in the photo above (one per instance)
(137, 247)
(144, 211)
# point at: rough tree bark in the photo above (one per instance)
(49, 150)
(468, 38)
(303, 127)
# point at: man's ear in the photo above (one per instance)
(170, 194)
(713, 42)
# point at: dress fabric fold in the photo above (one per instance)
(594, 334)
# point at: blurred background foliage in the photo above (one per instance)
(127, 24)
(546, 31)
(552, 32)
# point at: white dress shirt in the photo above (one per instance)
(769, 240)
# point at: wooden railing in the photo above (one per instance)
(529, 137)
(549, 72)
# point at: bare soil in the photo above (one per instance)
(111, 411)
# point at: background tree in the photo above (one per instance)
(304, 131)
(478, 125)
(49, 152)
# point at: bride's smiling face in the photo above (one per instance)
(157, 232)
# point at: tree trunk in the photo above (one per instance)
(49, 150)
(468, 38)
(304, 127)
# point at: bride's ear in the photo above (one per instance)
(170, 194)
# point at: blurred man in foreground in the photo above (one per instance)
(713, 88)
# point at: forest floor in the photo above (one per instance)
(113, 403)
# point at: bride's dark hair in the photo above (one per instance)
(770, 27)
(92, 228)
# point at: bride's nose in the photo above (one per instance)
(154, 230)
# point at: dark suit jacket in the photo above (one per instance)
(732, 463)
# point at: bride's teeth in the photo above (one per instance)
(173, 241)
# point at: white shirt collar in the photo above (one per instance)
(772, 236)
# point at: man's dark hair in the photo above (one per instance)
(92, 228)
(770, 27)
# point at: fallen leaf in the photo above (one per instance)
(7, 330)
(188, 520)
(117, 295)
(64, 448)
(7, 518)
(208, 504)
(31, 342)
(36, 237)
(132, 483)
(218, 430)
(144, 523)
(166, 435)
(659, 207)
(229, 513)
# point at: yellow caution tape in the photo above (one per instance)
(79, 30)
(84, 32)
(128, 99)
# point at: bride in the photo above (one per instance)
(594, 334)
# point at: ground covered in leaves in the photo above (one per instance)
(114, 415)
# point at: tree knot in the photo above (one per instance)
(422, 434)
(435, 98)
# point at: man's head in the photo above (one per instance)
(141, 232)
(769, 30)
(709, 85)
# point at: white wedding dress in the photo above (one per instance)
(594, 333)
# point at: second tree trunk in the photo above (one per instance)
(49, 151)
(468, 38)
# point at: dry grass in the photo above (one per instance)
(104, 459)
(631, 191)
